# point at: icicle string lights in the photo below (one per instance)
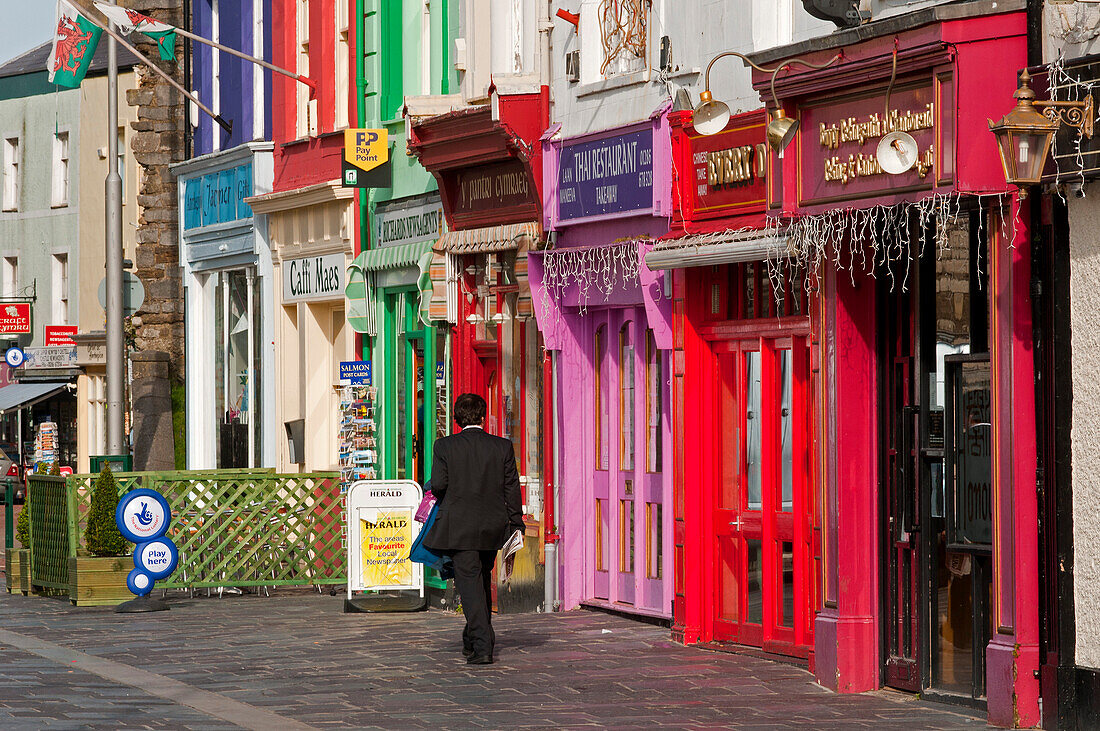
(595, 271)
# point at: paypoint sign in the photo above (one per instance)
(366, 158)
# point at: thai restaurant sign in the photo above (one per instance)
(839, 138)
(729, 169)
(606, 176)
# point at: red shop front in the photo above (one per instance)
(921, 359)
(488, 164)
(742, 403)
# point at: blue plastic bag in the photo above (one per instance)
(422, 554)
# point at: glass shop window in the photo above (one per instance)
(654, 379)
(600, 405)
(626, 396)
(237, 379)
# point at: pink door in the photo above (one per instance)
(629, 404)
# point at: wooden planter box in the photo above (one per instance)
(17, 565)
(95, 581)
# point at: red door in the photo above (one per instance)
(762, 507)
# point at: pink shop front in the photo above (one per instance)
(607, 321)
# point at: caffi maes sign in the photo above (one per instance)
(314, 277)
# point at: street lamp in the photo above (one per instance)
(1025, 133)
(711, 115)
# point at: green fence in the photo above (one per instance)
(233, 528)
(50, 532)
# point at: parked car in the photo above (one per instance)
(11, 469)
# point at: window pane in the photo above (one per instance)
(601, 399)
(752, 430)
(626, 397)
(654, 540)
(654, 405)
(786, 606)
(626, 536)
(785, 418)
(755, 576)
(601, 535)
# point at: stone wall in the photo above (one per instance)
(159, 141)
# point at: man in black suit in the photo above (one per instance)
(475, 480)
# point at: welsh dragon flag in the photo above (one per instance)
(74, 44)
(129, 21)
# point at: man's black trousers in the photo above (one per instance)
(473, 579)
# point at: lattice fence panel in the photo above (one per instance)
(245, 528)
(49, 528)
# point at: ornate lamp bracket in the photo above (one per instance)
(1080, 114)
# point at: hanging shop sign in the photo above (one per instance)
(14, 357)
(606, 176)
(313, 277)
(407, 222)
(60, 335)
(63, 356)
(217, 197)
(381, 530)
(356, 372)
(839, 139)
(15, 318)
(367, 159)
(728, 169)
(498, 188)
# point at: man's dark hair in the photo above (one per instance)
(469, 410)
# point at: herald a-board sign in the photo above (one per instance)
(367, 159)
(381, 530)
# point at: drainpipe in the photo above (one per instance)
(549, 498)
(361, 117)
(549, 413)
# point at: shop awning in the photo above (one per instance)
(18, 395)
(392, 257)
(709, 249)
(491, 239)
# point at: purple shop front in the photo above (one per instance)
(607, 320)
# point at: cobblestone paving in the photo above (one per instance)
(297, 655)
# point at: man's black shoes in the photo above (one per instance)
(467, 652)
(479, 660)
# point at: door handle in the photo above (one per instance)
(736, 523)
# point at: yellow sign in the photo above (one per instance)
(384, 545)
(366, 149)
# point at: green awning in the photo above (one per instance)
(392, 257)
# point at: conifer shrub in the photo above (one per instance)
(102, 537)
(23, 523)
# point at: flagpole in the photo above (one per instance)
(227, 125)
(240, 54)
(116, 354)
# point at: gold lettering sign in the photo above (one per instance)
(872, 127)
(736, 165)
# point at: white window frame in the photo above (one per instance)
(258, 90)
(59, 197)
(306, 109)
(12, 164)
(215, 75)
(9, 276)
(342, 61)
(60, 288)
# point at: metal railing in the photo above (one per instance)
(51, 533)
(233, 528)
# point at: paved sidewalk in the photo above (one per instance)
(295, 659)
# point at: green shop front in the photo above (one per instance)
(389, 295)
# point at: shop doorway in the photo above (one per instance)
(411, 396)
(935, 438)
(629, 402)
(762, 506)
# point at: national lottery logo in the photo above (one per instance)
(143, 517)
